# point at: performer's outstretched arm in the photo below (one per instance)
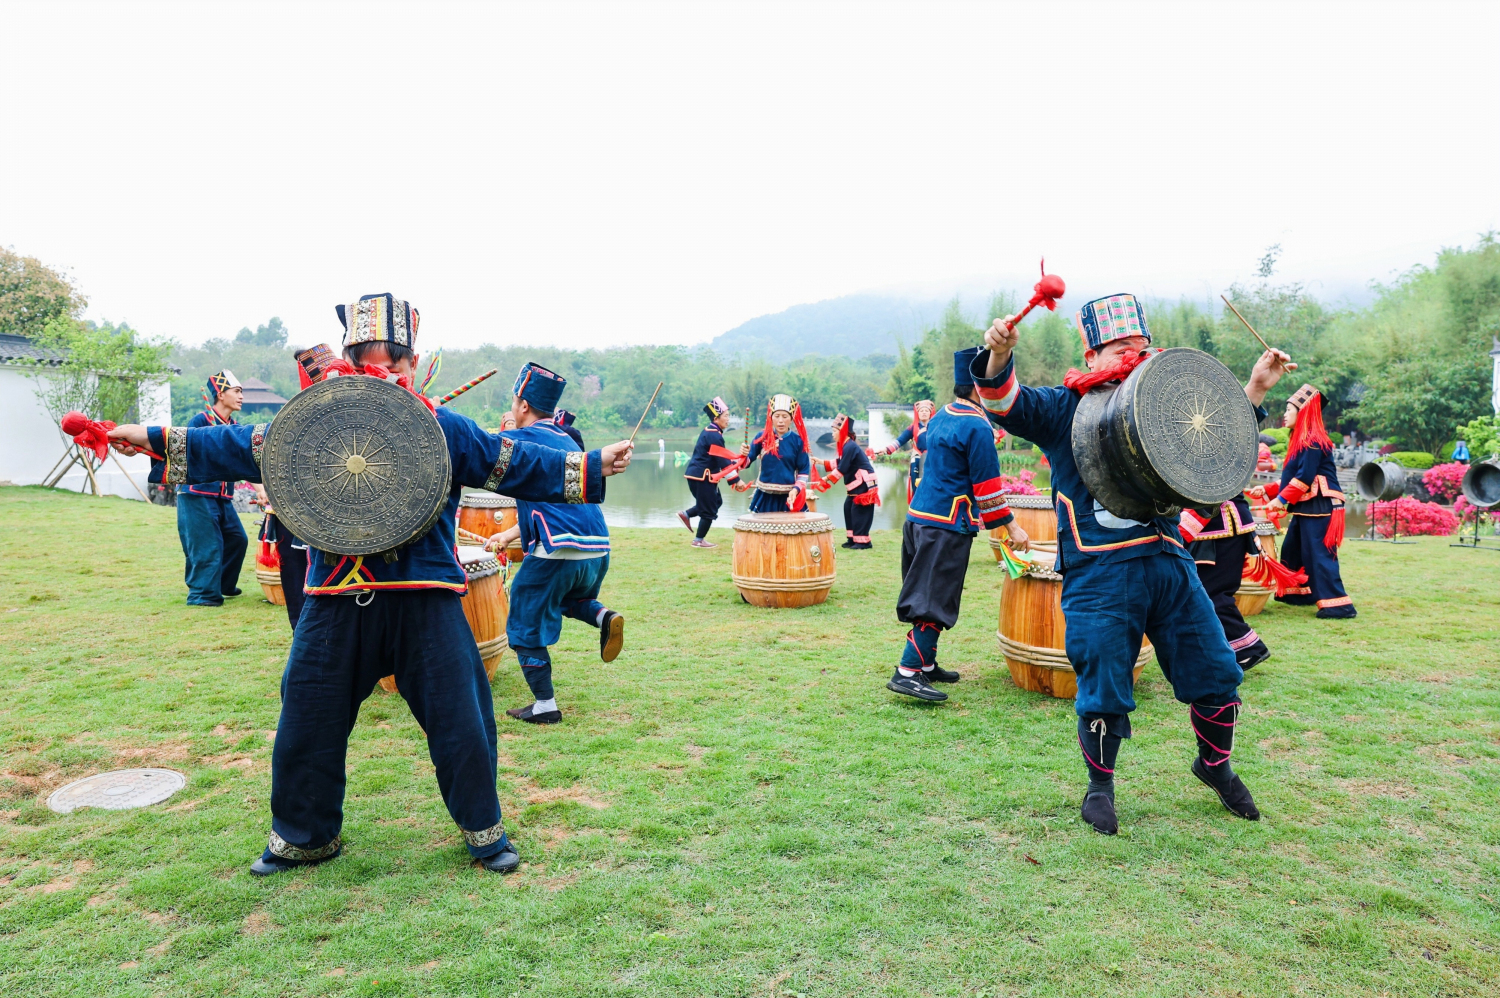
(1041, 415)
(526, 470)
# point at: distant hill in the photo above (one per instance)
(851, 326)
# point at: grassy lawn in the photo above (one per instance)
(737, 806)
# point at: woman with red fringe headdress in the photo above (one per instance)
(784, 465)
(921, 414)
(861, 490)
(1310, 492)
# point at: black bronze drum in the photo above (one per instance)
(1178, 431)
(1481, 484)
(1380, 481)
(357, 466)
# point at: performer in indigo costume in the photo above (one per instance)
(213, 539)
(784, 465)
(367, 617)
(564, 419)
(711, 463)
(567, 557)
(861, 490)
(1310, 492)
(1124, 579)
(921, 412)
(960, 494)
(1219, 545)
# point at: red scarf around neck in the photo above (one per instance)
(1084, 381)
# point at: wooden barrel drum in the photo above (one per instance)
(1251, 597)
(783, 559)
(486, 514)
(486, 608)
(1032, 635)
(270, 586)
(1035, 515)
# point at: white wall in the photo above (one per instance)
(879, 436)
(31, 442)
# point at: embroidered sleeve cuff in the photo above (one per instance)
(257, 442)
(993, 510)
(1295, 491)
(998, 393)
(502, 464)
(173, 444)
(583, 477)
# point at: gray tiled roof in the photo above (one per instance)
(15, 349)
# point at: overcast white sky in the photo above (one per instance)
(629, 173)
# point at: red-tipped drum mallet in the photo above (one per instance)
(93, 434)
(1046, 292)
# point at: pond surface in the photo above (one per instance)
(652, 492)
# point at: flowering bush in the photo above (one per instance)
(1411, 518)
(1465, 511)
(1444, 481)
(1019, 484)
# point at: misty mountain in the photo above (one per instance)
(851, 326)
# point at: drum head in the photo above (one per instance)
(356, 465)
(1196, 426)
(784, 523)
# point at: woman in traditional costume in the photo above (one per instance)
(921, 413)
(861, 490)
(1310, 492)
(785, 467)
(711, 463)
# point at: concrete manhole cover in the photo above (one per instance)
(124, 788)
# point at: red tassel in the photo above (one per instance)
(268, 557)
(1335, 533)
(1083, 383)
(1267, 571)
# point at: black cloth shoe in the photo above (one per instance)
(1345, 612)
(1233, 793)
(611, 635)
(867, 545)
(940, 675)
(525, 714)
(504, 861)
(847, 544)
(1099, 811)
(913, 686)
(1256, 656)
(235, 592)
(270, 863)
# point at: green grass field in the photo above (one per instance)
(737, 806)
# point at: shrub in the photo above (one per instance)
(1019, 484)
(1418, 459)
(1444, 481)
(1336, 437)
(1411, 518)
(1482, 436)
(1465, 511)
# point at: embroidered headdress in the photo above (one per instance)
(716, 407)
(1117, 317)
(1302, 396)
(379, 319)
(843, 428)
(781, 403)
(539, 387)
(217, 383)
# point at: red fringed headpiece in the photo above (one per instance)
(845, 434)
(339, 367)
(1308, 430)
(1083, 382)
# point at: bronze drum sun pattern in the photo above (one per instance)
(1196, 426)
(356, 466)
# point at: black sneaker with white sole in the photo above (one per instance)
(913, 686)
(938, 674)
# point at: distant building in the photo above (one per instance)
(33, 442)
(880, 434)
(259, 398)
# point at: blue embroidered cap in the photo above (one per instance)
(1117, 317)
(218, 382)
(962, 361)
(539, 387)
(381, 318)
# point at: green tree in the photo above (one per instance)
(32, 295)
(102, 371)
(1418, 405)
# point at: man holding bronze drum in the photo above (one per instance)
(360, 462)
(1127, 578)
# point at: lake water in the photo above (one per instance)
(653, 490)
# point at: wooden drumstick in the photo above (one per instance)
(648, 409)
(1245, 321)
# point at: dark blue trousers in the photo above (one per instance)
(213, 544)
(544, 591)
(339, 651)
(1109, 607)
(1304, 548)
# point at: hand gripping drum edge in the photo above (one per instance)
(1178, 431)
(356, 466)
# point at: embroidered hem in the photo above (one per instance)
(281, 847)
(176, 472)
(1323, 604)
(486, 836)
